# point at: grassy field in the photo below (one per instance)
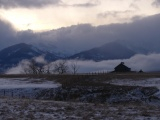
(13, 109)
(87, 86)
(88, 79)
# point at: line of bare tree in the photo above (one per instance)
(57, 67)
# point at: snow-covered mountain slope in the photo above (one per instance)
(14, 54)
(108, 51)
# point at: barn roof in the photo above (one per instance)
(121, 65)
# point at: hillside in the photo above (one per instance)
(12, 55)
(109, 51)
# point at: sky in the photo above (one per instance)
(42, 15)
(72, 26)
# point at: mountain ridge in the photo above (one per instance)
(12, 55)
(108, 51)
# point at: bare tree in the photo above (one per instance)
(48, 68)
(61, 67)
(40, 68)
(34, 68)
(74, 67)
(31, 68)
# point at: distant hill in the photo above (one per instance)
(14, 54)
(109, 51)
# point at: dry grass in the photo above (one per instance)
(18, 109)
(47, 110)
(107, 76)
(87, 79)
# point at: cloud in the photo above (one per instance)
(42, 3)
(19, 69)
(156, 3)
(119, 15)
(26, 3)
(114, 13)
(147, 63)
(134, 6)
(7, 33)
(40, 59)
(141, 35)
(91, 3)
(70, 39)
(84, 5)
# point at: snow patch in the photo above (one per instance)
(151, 82)
(11, 83)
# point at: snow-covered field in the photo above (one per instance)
(10, 83)
(51, 110)
(151, 82)
(24, 87)
(16, 108)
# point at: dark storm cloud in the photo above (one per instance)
(26, 3)
(7, 34)
(141, 35)
(71, 39)
(156, 3)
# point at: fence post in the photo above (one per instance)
(4, 92)
(12, 94)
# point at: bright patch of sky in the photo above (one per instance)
(67, 13)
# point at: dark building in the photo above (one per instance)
(122, 68)
(141, 71)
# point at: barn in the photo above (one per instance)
(122, 68)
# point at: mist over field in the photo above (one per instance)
(148, 63)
